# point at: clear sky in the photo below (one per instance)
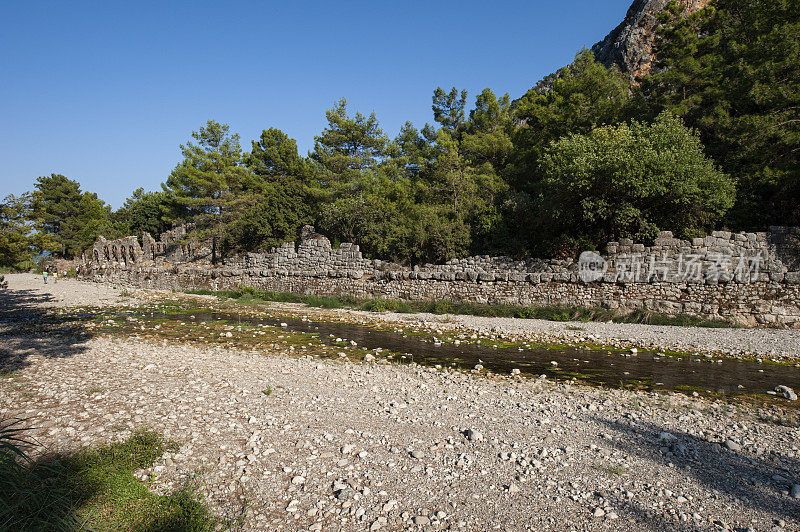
(105, 92)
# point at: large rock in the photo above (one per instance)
(629, 46)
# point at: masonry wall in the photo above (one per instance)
(751, 278)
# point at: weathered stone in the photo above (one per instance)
(758, 282)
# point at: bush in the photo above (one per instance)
(631, 181)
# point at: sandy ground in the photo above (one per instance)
(309, 444)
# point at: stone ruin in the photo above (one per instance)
(752, 278)
(172, 247)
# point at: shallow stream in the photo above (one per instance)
(602, 367)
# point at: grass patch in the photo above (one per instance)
(614, 470)
(93, 489)
(247, 295)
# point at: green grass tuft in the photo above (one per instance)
(93, 489)
(248, 295)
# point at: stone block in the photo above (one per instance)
(791, 278)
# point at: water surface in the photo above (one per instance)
(600, 367)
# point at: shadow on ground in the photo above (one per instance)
(92, 489)
(728, 475)
(26, 329)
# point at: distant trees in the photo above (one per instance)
(16, 232)
(427, 195)
(152, 212)
(67, 219)
(275, 200)
(584, 95)
(732, 71)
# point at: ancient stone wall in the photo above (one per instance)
(172, 247)
(753, 278)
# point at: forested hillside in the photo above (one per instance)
(708, 139)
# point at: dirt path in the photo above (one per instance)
(311, 444)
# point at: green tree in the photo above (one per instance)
(266, 220)
(275, 201)
(360, 188)
(583, 96)
(275, 157)
(209, 179)
(415, 147)
(151, 212)
(376, 215)
(631, 181)
(348, 146)
(448, 108)
(437, 234)
(464, 169)
(16, 233)
(732, 71)
(68, 219)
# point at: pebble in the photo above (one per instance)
(210, 398)
(732, 445)
(787, 392)
(473, 435)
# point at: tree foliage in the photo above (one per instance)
(348, 145)
(732, 71)
(583, 96)
(16, 233)
(67, 219)
(581, 158)
(632, 180)
(275, 201)
(151, 212)
(208, 181)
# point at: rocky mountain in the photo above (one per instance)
(630, 45)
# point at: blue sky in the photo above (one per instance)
(105, 92)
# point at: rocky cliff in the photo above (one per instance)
(629, 46)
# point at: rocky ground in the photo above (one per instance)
(299, 443)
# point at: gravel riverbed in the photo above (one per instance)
(313, 444)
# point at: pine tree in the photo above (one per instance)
(208, 180)
(67, 219)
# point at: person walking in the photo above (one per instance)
(44, 275)
(55, 276)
